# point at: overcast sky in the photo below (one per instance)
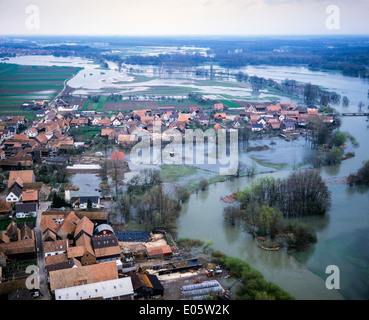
(182, 17)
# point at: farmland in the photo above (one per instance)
(19, 83)
(105, 103)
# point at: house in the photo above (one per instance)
(73, 277)
(312, 110)
(262, 121)
(82, 254)
(236, 124)
(220, 116)
(289, 126)
(256, 127)
(84, 240)
(106, 248)
(52, 248)
(19, 158)
(60, 264)
(125, 139)
(109, 133)
(84, 226)
(41, 138)
(40, 113)
(24, 210)
(116, 122)
(15, 193)
(275, 125)
(29, 196)
(254, 117)
(49, 228)
(13, 232)
(31, 132)
(105, 122)
(261, 108)
(56, 259)
(19, 250)
(290, 114)
(68, 226)
(83, 201)
(95, 120)
(22, 176)
(204, 119)
(26, 232)
(218, 107)
(274, 108)
(117, 289)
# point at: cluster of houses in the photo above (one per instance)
(83, 259)
(49, 134)
(280, 116)
(24, 194)
(40, 139)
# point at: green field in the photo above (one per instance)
(19, 84)
(170, 173)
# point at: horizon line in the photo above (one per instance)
(189, 35)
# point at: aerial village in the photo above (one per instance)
(78, 253)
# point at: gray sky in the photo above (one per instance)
(176, 17)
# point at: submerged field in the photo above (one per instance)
(19, 84)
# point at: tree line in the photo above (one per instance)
(251, 283)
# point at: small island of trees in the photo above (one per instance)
(270, 207)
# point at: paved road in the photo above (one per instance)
(44, 287)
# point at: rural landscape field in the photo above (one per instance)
(22, 84)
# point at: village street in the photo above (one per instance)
(44, 290)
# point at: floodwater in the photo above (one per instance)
(343, 231)
(94, 80)
(88, 183)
